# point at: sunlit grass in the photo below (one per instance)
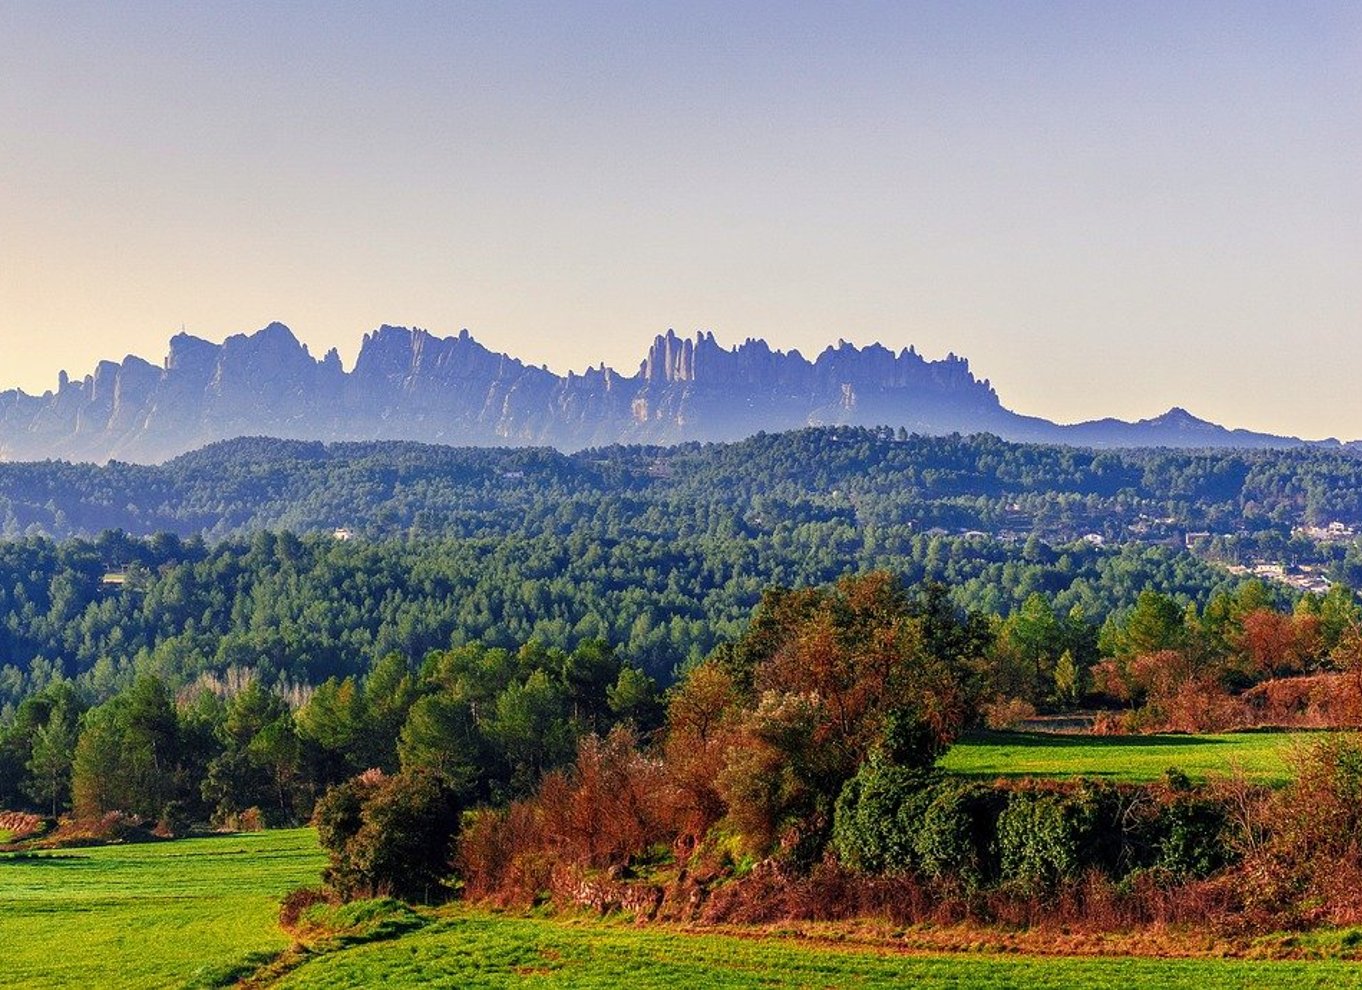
(482, 951)
(152, 915)
(1260, 756)
(203, 912)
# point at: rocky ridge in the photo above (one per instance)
(410, 384)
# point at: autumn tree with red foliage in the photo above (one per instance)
(1274, 643)
(702, 725)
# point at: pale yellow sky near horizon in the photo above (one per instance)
(1109, 211)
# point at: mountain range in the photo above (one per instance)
(408, 384)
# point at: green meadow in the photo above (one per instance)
(471, 950)
(1261, 756)
(168, 914)
(204, 912)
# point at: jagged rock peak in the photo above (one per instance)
(275, 334)
(408, 383)
(702, 360)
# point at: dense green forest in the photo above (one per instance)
(302, 609)
(225, 558)
(872, 480)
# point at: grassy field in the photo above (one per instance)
(153, 915)
(1262, 756)
(480, 951)
(202, 912)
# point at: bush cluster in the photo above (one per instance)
(388, 836)
(1029, 839)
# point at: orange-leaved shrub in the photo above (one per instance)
(1303, 844)
(612, 806)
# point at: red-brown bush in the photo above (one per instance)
(1327, 700)
(701, 727)
(1007, 713)
(501, 857)
(1199, 706)
(298, 901)
(614, 804)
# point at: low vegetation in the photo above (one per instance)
(204, 913)
(200, 911)
(480, 951)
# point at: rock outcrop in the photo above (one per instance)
(410, 384)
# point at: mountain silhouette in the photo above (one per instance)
(409, 384)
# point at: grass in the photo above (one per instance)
(474, 950)
(1261, 756)
(190, 912)
(203, 912)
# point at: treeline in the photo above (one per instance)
(1237, 663)
(298, 610)
(875, 482)
(794, 776)
(489, 722)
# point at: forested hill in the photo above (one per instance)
(230, 556)
(872, 480)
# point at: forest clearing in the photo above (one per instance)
(1261, 757)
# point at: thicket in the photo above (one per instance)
(1237, 663)
(1030, 839)
(492, 721)
(388, 836)
(793, 778)
(486, 723)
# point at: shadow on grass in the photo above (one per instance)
(232, 973)
(1052, 740)
(45, 859)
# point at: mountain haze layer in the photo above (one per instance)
(408, 384)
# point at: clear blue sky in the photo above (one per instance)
(1109, 207)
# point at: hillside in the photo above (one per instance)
(875, 480)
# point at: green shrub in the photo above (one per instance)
(1192, 843)
(955, 832)
(1036, 846)
(388, 835)
(878, 814)
(891, 819)
(1046, 837)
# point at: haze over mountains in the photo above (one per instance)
(410, 384)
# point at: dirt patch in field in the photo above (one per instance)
(1168, 942)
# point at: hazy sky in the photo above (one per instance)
(1108, 207)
